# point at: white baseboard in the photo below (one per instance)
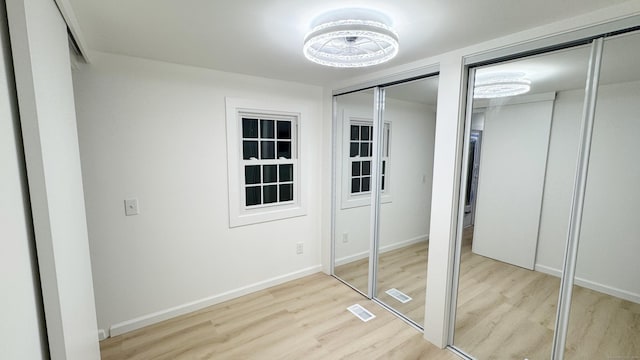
(102, 334)
(401, 244)
(619, 293)
(351, 258)
(383, 249)
(153, 318)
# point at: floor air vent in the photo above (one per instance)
(398, 295)
(362, 313)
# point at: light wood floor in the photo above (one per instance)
(504, 311)
(507, 312)
(301, 319)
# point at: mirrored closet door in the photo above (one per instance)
(604, 322)
(526, 115)
(547, 265)
(409, 118)
(383, 169)
(353, 159)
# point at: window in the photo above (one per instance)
(268, 159)
(263, 161)
(361, 156)
(357, 156)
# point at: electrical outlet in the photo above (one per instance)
(131, 207)
(299, 248)
(345, 238)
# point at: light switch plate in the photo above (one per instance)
(131, 207)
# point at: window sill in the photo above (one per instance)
(354, 202)
(255, 216)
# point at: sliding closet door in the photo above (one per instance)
(604, 321)
(353, 145)
(406, 165)
(527, 114)
(39, 44)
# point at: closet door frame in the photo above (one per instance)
(376, 193)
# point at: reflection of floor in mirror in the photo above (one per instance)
(507, 312)
(301, 319)
(355, 273)
(404, 269)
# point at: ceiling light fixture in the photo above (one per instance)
(351, 43)
(501, 87)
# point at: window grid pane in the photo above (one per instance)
(286, 192)
(253, 196)
(270, 173)
(249, 128)
(284, 130)
(268, 151)
(361, 148)
(266, 129)
(270, 194)
(252, 174)
(284, 149)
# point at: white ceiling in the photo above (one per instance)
(264, 37)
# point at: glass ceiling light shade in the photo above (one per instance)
(351, 43)
(501, 87)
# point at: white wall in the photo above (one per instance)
(406, 218)
(607, 257)
(22, 333)
(405, 210)
(156, 131)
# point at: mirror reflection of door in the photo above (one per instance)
(405, 209)
(473, 171)
(536, 149)
(511, 258)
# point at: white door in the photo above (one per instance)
(47, 115)
(513, 161)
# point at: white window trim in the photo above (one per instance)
(239, 214)
(349, 200)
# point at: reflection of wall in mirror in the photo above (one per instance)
(405, 219)
(610, 236)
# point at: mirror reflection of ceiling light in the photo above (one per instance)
(351, 43)
(501, 87)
